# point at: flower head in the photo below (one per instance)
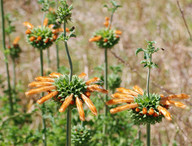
(41, 37)
(145, 109)
(107, 37)
(15, 49)
(66, 92)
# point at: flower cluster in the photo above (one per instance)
(64, 12)
(15, 49)
(106, 37)
(41, 37)
(145, 109)
(81, 135)
(66, 92)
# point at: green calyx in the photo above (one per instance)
(146, 104)
(81, 136)
(64, 12)
(52, 19)
(15, 51)
(40, 37)
(65, 88)
(108, 38)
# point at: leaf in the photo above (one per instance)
(139, 50)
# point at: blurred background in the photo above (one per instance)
(139, 20)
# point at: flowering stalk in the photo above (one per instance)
(148, 128)
(6, 61)
(71, 72)
(148, 125)
(43, 106)
(57, 55)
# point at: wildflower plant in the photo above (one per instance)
(66, 92)
(146, 108)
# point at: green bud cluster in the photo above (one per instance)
(64, 12)
(15, 51)
(81, 136)
(65, 88)
(153, 101)
(46, 35)
(109, 38)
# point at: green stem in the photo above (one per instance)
(71, 72)
(43, 106)
(57, 53)
(148, 125)
(14, 80)
(48, 57)
(106, 87)
(6, 60)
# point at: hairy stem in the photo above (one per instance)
(43, 106)
(148, 80)
(6, 60)
(106, 87)
(14, 79)
(71, 72)
(57, 54)
(48, 57)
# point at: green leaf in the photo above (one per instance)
(139, 50)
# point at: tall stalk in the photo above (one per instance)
(71, 72)
(43, 106)
(14, 78)
(6, 60)
(57, 55)
(148, 128)
(48, 57)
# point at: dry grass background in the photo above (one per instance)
(139, 20)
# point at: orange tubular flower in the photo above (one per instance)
(118, 32)
(144, 108)
(28, 25)
(95, 39)
(65, 93)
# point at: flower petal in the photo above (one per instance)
(128, 91)
(123, 108)
(93, 80)
(122, 95)
(39, 90)
(89, 104)
(45, 22)
(80, 109)
(47, 97)
(66, 103)
(164, 112)
(44, 79)
(82, 75)
(178, 104)
(138, 90)
(97, 88)
(29, 25)
(118, 100)
(55, 75)
(40, 84)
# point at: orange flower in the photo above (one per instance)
(29, 25)
(28, 31)
(45, 22)
(32, 38)
(55, 91)
(39, 38)
(118, 32)
(16, 40)
(127, 96)
(95, 39)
